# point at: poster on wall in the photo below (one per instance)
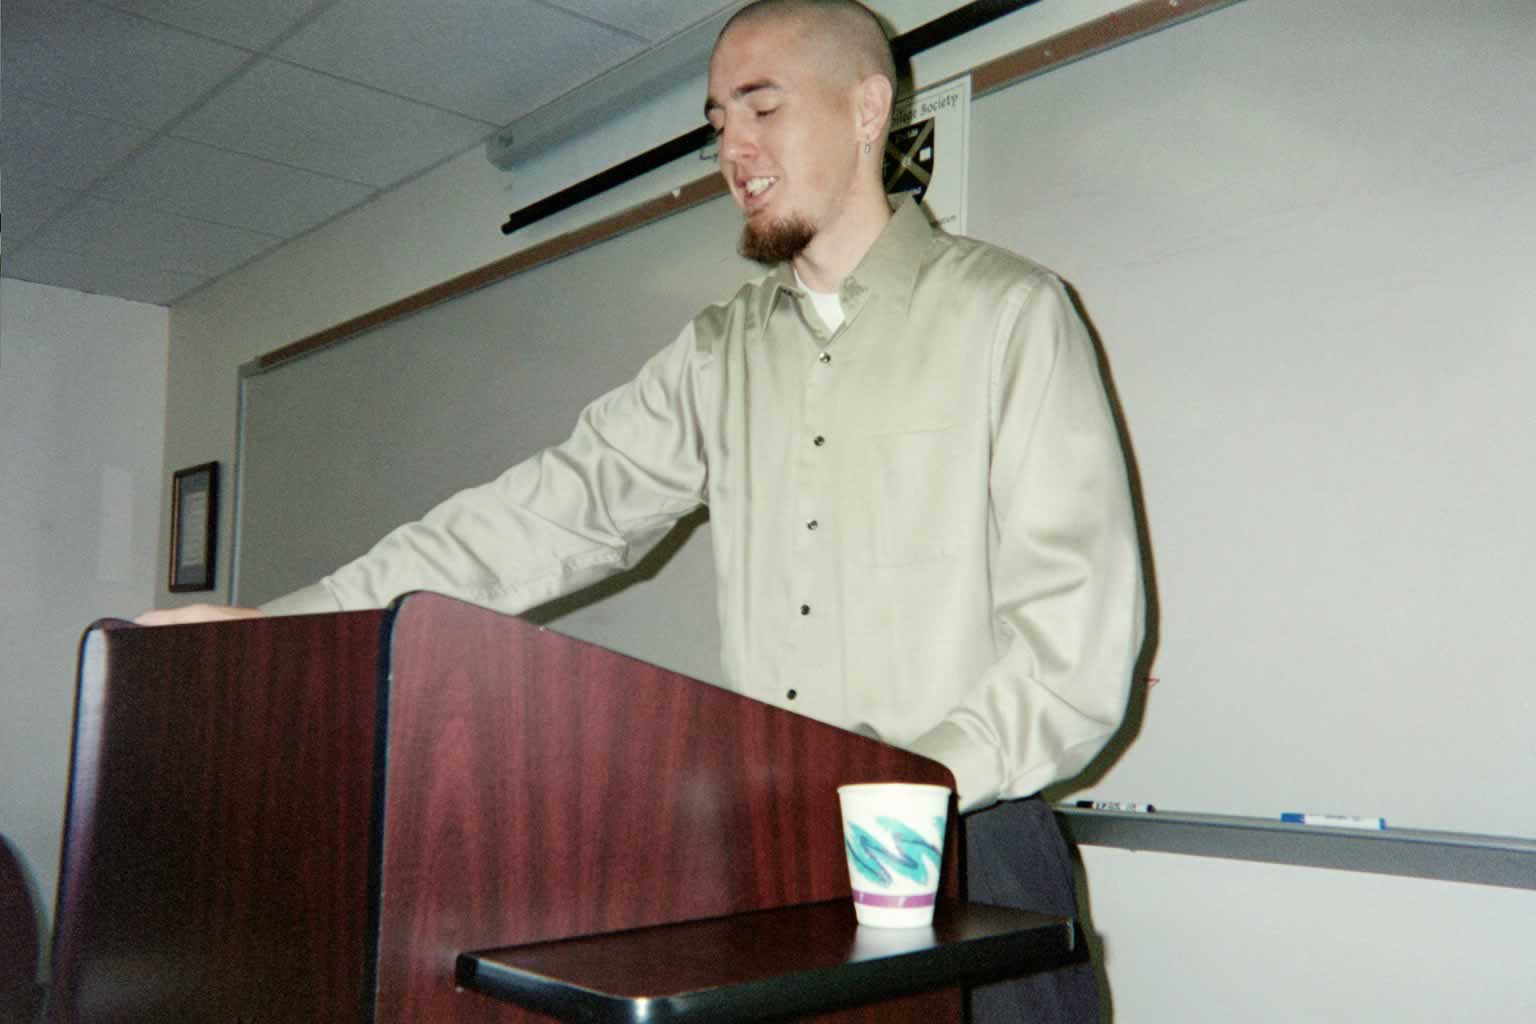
(194, 525)
(928, 152)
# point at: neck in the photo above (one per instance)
(834, 252)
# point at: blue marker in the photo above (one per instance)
(1335, 821)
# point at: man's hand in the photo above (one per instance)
(197, 613)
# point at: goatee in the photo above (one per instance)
(777, 241)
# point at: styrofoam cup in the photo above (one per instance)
(893, 833)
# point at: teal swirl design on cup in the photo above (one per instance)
(878, 863)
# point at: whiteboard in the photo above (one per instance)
(1302, 231)
(340, 446)
(1306, 234)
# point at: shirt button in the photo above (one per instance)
(805, 609)
(812, 525)
(818, 440)
(825, 357)
(791, 695)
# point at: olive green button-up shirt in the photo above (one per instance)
(921, 523)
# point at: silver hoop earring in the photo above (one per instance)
(867, 147)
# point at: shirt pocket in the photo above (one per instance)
(916, 495)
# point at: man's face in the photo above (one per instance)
(788, 133)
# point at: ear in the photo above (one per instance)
(873, 106)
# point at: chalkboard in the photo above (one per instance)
(1303, 232)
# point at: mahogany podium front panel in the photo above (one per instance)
(307, 819)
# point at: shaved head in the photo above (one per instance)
(849, 38)
(800, 95)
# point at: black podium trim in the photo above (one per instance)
(766, 965)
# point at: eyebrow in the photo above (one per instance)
(740, 92)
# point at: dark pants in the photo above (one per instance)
(1015, 857)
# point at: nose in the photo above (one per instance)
(736, 140)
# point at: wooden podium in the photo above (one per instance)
(309, 819)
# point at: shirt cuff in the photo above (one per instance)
(310, 600)
(974, 765)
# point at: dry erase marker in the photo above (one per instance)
(1335, 821)
(1115, 805)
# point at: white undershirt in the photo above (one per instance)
(828, 306)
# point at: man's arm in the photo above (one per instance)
(196, 613)
(1068, 603)
(570, 515)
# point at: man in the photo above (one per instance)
(918, 504)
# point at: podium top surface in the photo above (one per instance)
(764, 965)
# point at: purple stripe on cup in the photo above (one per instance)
(880, 899)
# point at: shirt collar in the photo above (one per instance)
(889, 267)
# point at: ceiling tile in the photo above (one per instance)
(61, 52)
(212, 184)
(153, 238)
(300, 117)
(507, 56)
(61, 147)
(98, 275)
(252, 24)
(652, 20)
(29, 204)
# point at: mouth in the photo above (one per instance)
(754, 189)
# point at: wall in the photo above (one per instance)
(1195, 940)
(1187, 938)
(82, 420)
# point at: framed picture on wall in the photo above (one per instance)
(194, 526)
